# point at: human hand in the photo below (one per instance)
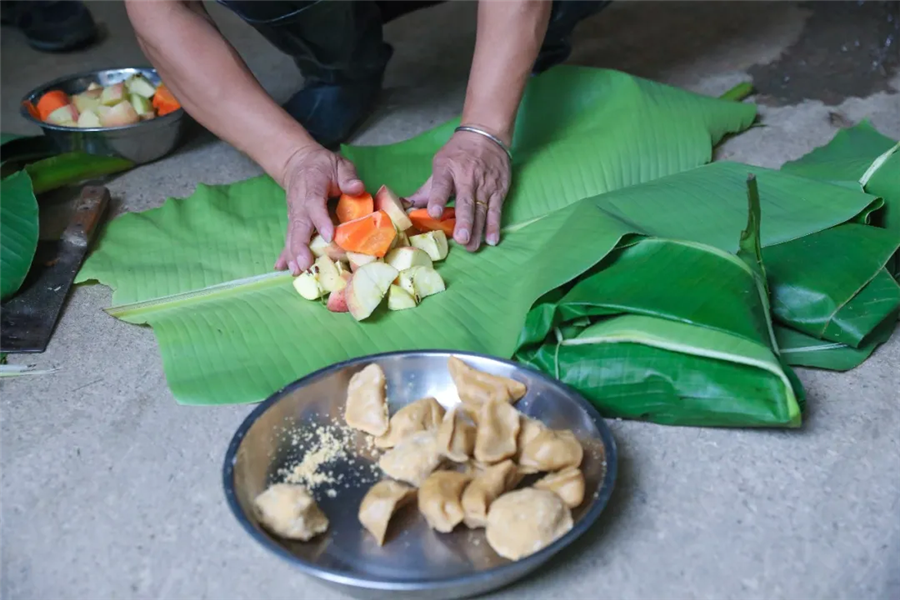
(312, 176)
(477, 172)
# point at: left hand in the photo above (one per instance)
(477, 172)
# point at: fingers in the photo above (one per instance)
(317, 209)
(420, 198)
(465, 212)
(301, 229)
(347, 179)
(282, 263)
(478, 230)
(494, 213)
(441, 188)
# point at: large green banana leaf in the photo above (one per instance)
(603, 160)
(832, 285)
(236, 342)
(580, 132)
(18, 231)
(860, 156)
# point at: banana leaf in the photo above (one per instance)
(603, 160)
(672, 373)
(802, 350)
(18, 231)
(579, 132)
(73, 167)
(860, 156)
(671, 348)
(832, 285)
(237, 341)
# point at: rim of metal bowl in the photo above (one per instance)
(361, 582)
(172, 116)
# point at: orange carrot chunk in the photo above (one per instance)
(51, 101)
(163, 101)
(371, 235)
(350, 208)
(32, 109)
(424, 222)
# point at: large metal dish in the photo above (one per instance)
(417, 562)
(141, 143)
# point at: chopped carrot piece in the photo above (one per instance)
(371, 235)
(51, 101)
(32, 109)
(350, 208)
(424, 222)
(163, 101)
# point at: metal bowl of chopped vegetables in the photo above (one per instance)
(146, 140)
(300, 435)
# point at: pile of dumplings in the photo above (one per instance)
(462, 466)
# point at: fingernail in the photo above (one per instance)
(493, 239)
(436, 212)
(463, 237)
(293, 267)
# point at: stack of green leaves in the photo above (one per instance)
(614, 207)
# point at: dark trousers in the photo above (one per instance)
(342, 40)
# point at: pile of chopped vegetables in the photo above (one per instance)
(389, 253)
(115, 105)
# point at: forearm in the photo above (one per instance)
(213, 83)
(509, 37)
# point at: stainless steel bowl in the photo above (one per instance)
(141, 143)
(415, 561)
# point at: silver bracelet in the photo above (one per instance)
(489, 136)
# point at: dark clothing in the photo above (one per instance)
(340, 49)
(342, 40)
(50, 26)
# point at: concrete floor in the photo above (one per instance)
(111, 490)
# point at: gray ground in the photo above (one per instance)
(110, 489)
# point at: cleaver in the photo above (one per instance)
(27, 320)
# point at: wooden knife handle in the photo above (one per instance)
(89, 210)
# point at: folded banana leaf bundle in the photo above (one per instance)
(627, 257)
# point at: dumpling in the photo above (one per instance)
(529, 430)
(421, 415)
(456, 435)
(380, 503)
(366, 408)
(552, 450)
(498, 428)
(413, 459)
(476, 387)
(484, 489)
(440, 499)
(568, 484)
(522, 522)
(289, 511)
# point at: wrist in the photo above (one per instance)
(496, 127)
(292, 154)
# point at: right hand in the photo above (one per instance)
(311, 176)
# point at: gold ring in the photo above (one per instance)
(482, 203)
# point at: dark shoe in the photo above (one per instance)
(51, 26)
(332, 112)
